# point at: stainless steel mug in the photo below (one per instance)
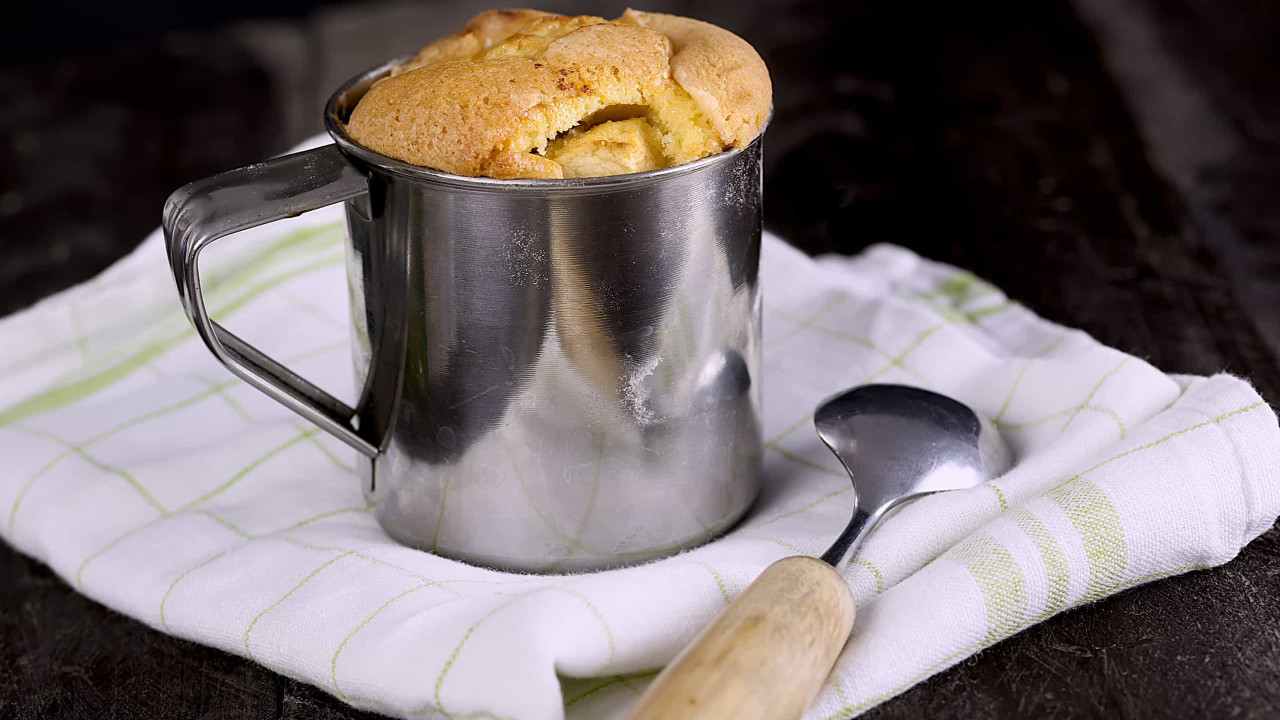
(556, 374)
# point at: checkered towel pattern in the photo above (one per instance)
(157, 484)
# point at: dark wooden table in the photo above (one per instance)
(1113, 165)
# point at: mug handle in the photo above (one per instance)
(203, 211)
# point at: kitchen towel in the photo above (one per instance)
(154, 482)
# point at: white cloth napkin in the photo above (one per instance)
(154, 482)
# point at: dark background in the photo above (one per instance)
(1112, 164)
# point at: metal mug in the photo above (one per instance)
(555, 374)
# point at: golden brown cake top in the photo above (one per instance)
(646, 90)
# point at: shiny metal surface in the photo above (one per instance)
(206, 210)
(899, 443)
(557, 374)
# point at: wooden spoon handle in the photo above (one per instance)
(765, 656)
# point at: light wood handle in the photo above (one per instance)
(767, 654)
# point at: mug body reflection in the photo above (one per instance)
(557, 374)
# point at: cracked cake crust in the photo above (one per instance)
(488, 101)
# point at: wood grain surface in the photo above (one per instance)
(765, 656)
(1112, 165)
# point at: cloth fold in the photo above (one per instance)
(154, 482)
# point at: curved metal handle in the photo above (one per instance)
(203, 211)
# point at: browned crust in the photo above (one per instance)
(721, 72)
(463, 117)
(479, 34)
(478, 102)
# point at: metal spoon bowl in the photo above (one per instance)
(899, 443)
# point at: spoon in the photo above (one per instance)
(766, 656)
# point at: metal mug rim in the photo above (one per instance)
(334, 123)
